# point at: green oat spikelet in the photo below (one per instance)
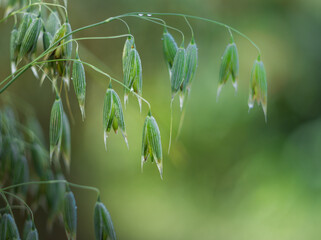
(24, 25)
(27, 228)
(66, 141)
(190, 69)
(113, 116)
(178, 70)
(169, 48)
(133, 74)
(103, 225)
(56, 126)
(79, 82)
(70, 215)
(21, 174)
(229, 67)
(53, 23)
(8, 228)
(151, 143)
(33, 235)
(258, 86)
(30, 38)
(56, 40)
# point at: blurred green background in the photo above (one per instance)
(230, 175)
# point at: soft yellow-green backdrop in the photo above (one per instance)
(230, 175)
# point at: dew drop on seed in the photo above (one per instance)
(140, 14)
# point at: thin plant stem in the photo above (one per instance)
(162, 24)
(53, 182)
(127, 26)
(197, 18)
(190, 26)
(21, 200)
(13, 207)
(6, 201)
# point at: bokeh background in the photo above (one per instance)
(230, 175)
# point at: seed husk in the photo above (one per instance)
(151, 143)
(56, 126)
(79, 82)
(46, 40)
(258, 86)
(129, 43)
(178, 70)
(8, 228)
(70, 215)
(40, 160)
(55, 195)
(27, 228)
(103, 224)
(21, 174)
(53, 23)
(66, 141)
(138, 81)
(30, 39)
(169, 48)
(33, 235)
(57, 40)
(24, 25)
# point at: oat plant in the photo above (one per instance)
(43, 40)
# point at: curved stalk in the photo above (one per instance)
(21, 200)
(197, 18)
(52, 182)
